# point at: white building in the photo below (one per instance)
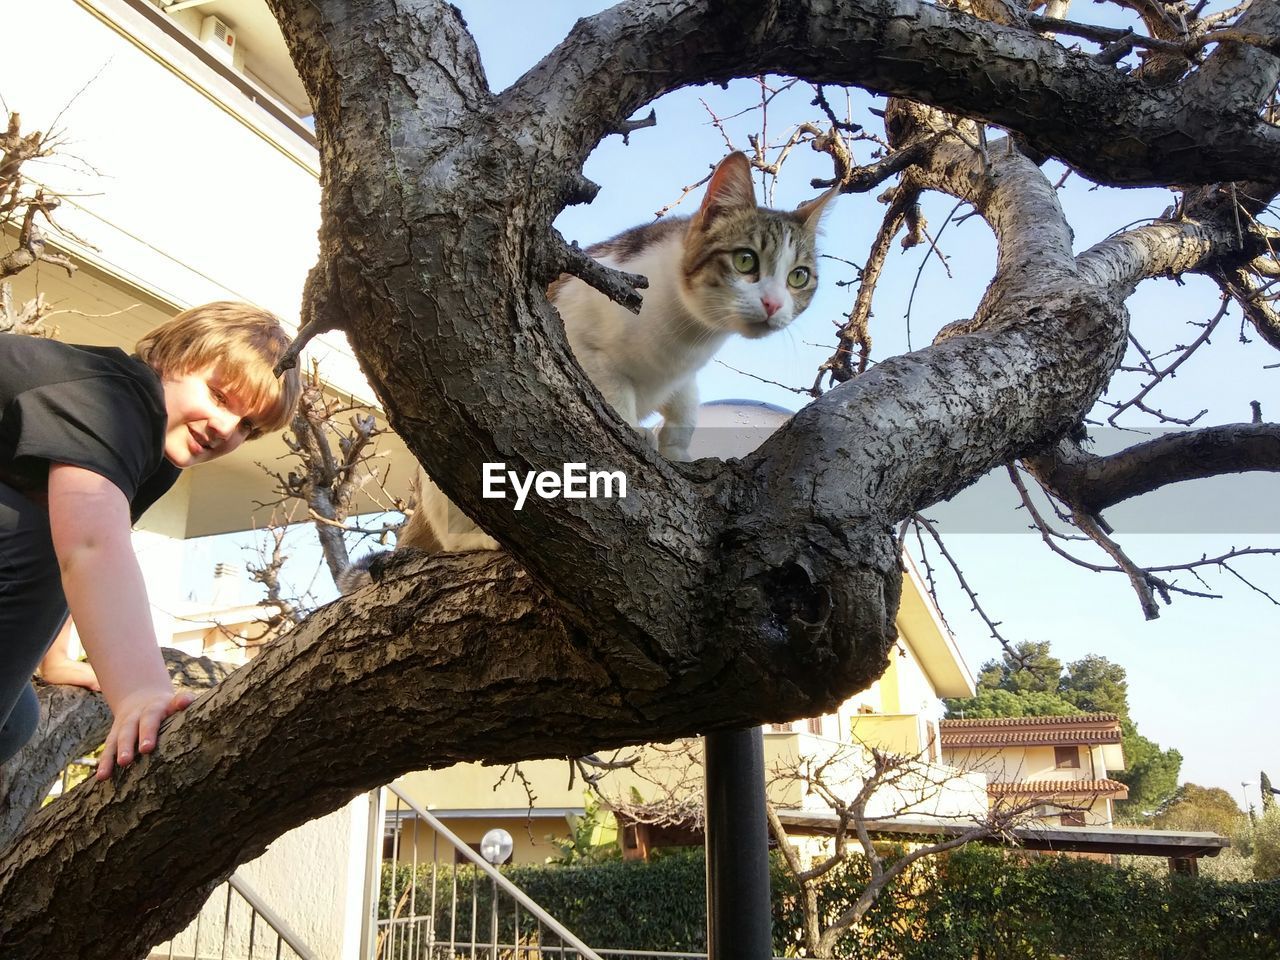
(189, 175)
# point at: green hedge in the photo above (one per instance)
(984, 906)
(626, 904)
(617, 904)
(976, 904)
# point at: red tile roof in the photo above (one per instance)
(1034, 721)
(1081, 728)
(1027, 738)
(1061, 788)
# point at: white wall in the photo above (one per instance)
(312, 877)
(170, 187)
(186, 190)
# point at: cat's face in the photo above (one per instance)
(748, 269)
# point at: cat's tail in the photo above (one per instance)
(356, 576)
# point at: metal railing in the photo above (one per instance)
(463, 909)
(235, 924)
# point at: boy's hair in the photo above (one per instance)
(242, 343)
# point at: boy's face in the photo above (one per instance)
(205, 421)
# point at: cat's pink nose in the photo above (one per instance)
(771, 305)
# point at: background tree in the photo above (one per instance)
(1005, 703)
(1194, 807)
(890, 786)
(838, 879)
(1150, 773)
(1096, 685)
(1268, 791)
(724, 594)
(24, 206)
(334, 459)
(1212, 809)
(1266, 845)
(1027, 668)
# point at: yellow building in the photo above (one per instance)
(1060, 764)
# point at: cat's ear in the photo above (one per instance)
(812, 211)
(730, 188)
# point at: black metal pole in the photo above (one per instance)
(739, 924)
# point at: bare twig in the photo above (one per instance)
(856, 330)
(628, 127)
(992, 625)
(1169, 371)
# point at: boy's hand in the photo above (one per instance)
(71, 673)
(137, 725)
(58, 666)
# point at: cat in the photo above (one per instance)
(733, 267)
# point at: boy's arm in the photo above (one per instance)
(58, 666)
(89, 520)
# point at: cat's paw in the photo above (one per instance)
(679, 454)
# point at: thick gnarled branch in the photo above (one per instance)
(1121, 131)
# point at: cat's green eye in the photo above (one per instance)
(744, 261)
(798, 277)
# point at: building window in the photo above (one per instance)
(1066, 758)
(1072, 819)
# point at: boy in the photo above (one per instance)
(90, 438)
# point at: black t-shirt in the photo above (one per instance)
(91, 407)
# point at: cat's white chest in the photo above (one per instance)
(648, 354)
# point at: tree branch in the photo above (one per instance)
(482, 666)
(1096, 483)
(1120, 131)
(73, 723)
(1248, 293)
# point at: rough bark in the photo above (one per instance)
(716, 594)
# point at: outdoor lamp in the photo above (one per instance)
(496, 846)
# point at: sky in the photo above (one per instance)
(1200, 676)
